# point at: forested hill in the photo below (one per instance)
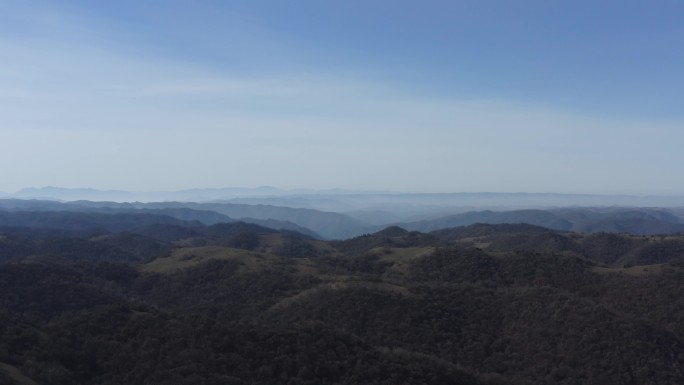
(99, 210)
(343, 225)
(237, 303)
(647, 221)
(313, 222)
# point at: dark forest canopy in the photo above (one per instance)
(146, 298)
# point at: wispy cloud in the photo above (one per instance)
(76, 109)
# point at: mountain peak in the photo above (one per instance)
(392, 231)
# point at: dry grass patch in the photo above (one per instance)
(184, 258)
(400, 258)
(340, 285)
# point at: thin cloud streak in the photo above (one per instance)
(89, 112)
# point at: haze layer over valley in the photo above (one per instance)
(339, 214)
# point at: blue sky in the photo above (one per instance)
(431, 96)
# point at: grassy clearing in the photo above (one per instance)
(272, 242)
(400, 257)
(479, 242)
(184, 258)
(340, 284)
(305, 266)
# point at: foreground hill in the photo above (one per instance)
(135, 237)
(238, 303)
(608, 249)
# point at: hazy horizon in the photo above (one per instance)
(435, 96)
(308, 190)
(372, 206)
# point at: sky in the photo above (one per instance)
(409, 96)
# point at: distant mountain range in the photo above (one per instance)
(170, 211)
(588, 220)
(194, 195)
(334, 225)
(340, 200)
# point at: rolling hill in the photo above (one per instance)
(630, 220)
(235, 303)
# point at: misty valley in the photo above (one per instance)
(95, 292)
